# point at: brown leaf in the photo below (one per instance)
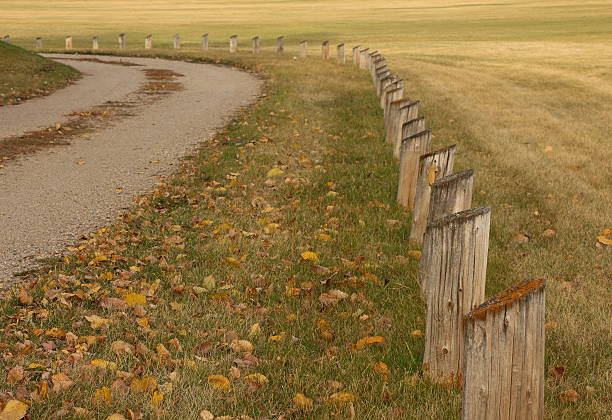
(332, 297)
(15, 375)
(25, 298)
(569, 396)
(520, 238)
(121, 347)
(558, 372)
(61, 382)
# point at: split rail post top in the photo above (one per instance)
(456, 275)
(39, 43)
(433, 166)
(205, 42)
(451, 194)
(411, 149)
(356, 55)
(255, 42)
(503, 362)
(122, 41)
(148, 42)
(95, 44)
(304, 49)
(176, 42)
(233, 44)
(69, 42)
(392, 119)
(325, 50)
(340, 54)
(280, 44)
(362, 58)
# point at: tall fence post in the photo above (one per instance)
(39, 43)
(433, 166)
(280, 45)
(205, 42)
(69, 42)
(406, 125)
(391, 119)
(325, 50)
(451, 194)
(121, 41)
(411, 149)
(176, 42)
(356, 55)
(392, 95)
(256, 46)
(340, 54)
(455, 273)
(95, 43)
(503, 363)
(148, 42)
(304, 49)
(233, 44)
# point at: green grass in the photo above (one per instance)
(25, 75)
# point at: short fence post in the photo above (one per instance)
(205, 42)
(148, 42)
(503, 361)
(433, 166)
(255, 42)
(95, 43)
(121, 41)
(280, 45)
(303, 49)
(451, 194)
(233, 44)
(39, 43)
(455, 273)
(69, 42)
(176, 42)
(356, 55)
(362, 58)
(6, 38)
(325, 50)
(340, 54)
(411, 149)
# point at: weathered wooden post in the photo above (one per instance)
(255, 44)
(148, 42)
(433, 166)
(451, 194)
(304, 49)
(325, 50)
(176, 41)
(69, 42)
(380, 63)
(392, 121)
(503, 357)
(384, 77)
(372, 59)
(280, 45)
(403, 128)
(340, 54)
(205, 42)
(122, 41)
(362, 58)
(39, 43)
(393, 92)
(233, 44)
(411, 149)
(393, 83)
(356, 55)
(7, 39)
(95, 44)
(455, 275)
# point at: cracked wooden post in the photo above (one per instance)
(304, 49)
(148, 42)
(356, 55)
(380, 63)
(121, 41)
(95, 43)
(391, 119)
(39, 43)
(384, 78)
(408, 112)
(411, 149)
(362, 58)
(233, 44)
(391, 96)
(433, 166)
(280, 45)
(256, 45)
(374, 58)
(325, 50)
(503, 360)
(205, 42)
(176, 42)
(455, 276)
(389, 85)
(341, 57)
(68, 42)
(451, 194)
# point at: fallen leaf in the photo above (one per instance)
(25, 298)
(121, 347)
(383, 369)
(302, 402)
(416, 254)
(104, 364)
(548, 233)
(15, 375)
(97, 322)
(133, 299)
(332, 297)
(416, 333)
(206, 415)
(309, 256)
(520, 238)
(14, 410)
(145, 384)
(156, 399)
(254, 330)
(241, 346)
(220, 382)
(558, 372)
(569, 396)
(343, 397)
(431, 174)
(369, 341)
(61, 382)
(274, 172)
(116, 416)
(209, 283)
(103, 395)
(603, 240)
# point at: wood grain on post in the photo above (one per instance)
(256, 45)
(68, 42)
(411, 149)
(384, 77)
(392, 95)
(433, 166)
(205, 42)
(392, 119)
(95, 43)
(233, 44)
(451, 194)
(325, 50)
(388, 85)
(356, 55)
(406, 125)
(39, 43)
(280, 45)
(121, 41)
(379, 64)
(304, 49)
(362, 58)
(503, 362)
(372, 58)
(455, 275)
(148, 42)
(176, 42)
(340, 55)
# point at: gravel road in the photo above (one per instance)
(51, 198)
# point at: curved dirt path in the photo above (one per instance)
(51, 198)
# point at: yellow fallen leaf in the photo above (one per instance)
(133, 299)
(416, 254)
(323, 237)
(310, 256)
(145, 384)
(220, 382)
(607, 232)
(603, 240)
(256, 378)
(97, 321)
(143, 322)
(416, 333)
(368, 341)
(274, 172)
(209, 283)
(302, 402)
(343, 397)
(156, 399)
(241, 346)
(206, 415)
(14, 410)
(255, 330)
(382, 368)
(103, 395)
(115, 416)
(104, 364)
(232, 261)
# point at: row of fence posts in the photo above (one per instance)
(493, 349)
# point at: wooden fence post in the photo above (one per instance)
(233, 44)
(433, 166)
(148, 42)
(176, 42)
(205, 42)
(503, 362)
(392, 119)
(406, 125)
(372, 58)
(393, 83)
(356, 55)
(280, 45)
(451, 194)
(39, 43)
(411, 149)
(304, 49)
(69, 42)
(256, 45)
(121, 41)
(392, 95)
(455, 275)
(325, 50)
(340, 54)
(384, 78)
(95, 43)
(362, 58)
(380, 63)
(6, 38)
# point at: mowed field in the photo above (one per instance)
(524, 88)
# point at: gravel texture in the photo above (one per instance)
(51, 198)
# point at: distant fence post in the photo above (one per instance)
(433, 166)
(411, 149)
(381, 77)
(69, 42)
(148, 42)
(362, 58)
(340, 54)
(205, 42)
(372, 58)
(503, 362)
(39, 43)
(356, 55)
(95, 44)
(391, 84)
(280, 45)
(6, 38)
(121, 41)
(233, 44)
(304, 49)
(176, 41)
(325, 50)
(255, 42)
(451, 194)
(455, 273)
(380, 63)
